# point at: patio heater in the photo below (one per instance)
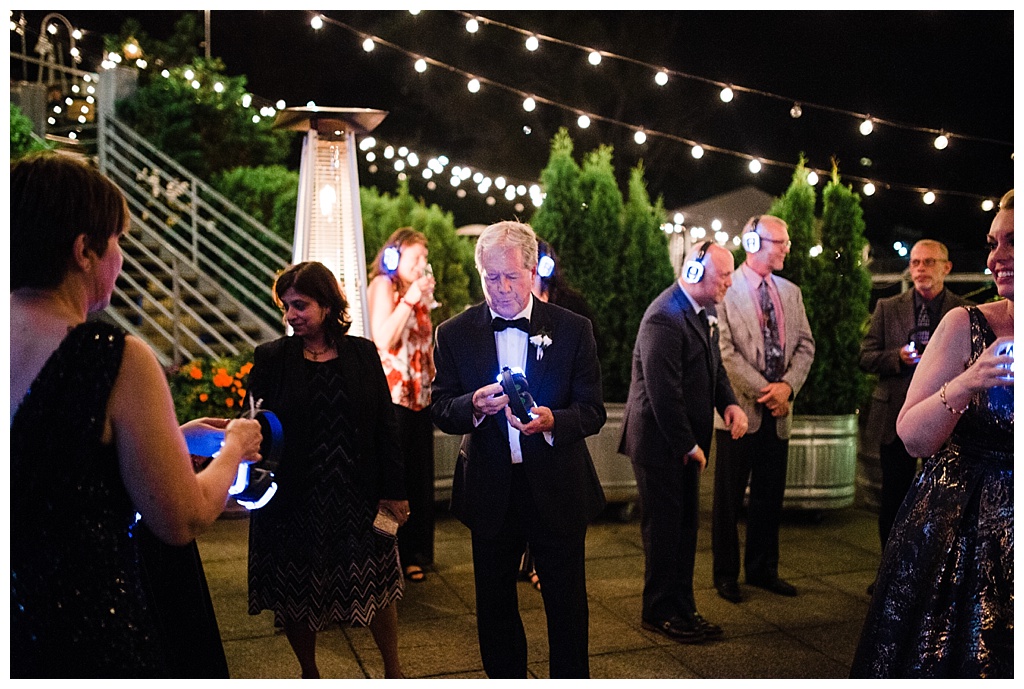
(328, 218)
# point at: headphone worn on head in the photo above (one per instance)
(545, 266)
(389, 259)
(693, 270)
(751, 239)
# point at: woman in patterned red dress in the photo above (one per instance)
(400, 297)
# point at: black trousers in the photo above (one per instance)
(560, 561)
(761, 459)
(416, 536)
(669, 517)
(898, 471)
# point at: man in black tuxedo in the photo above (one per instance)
(517, 484)
(677, 384)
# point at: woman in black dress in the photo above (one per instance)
(943, 602)
(94, 445)
(315, 558)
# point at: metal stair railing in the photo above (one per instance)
(214, 236)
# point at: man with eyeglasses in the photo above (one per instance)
(900, 329)
(767, 349)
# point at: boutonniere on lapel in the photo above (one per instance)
(713, 322)
(542, 340)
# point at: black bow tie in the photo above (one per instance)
(500, 324)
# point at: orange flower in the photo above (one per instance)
(245, 369)
(241, 392)
(196, 373)
(230, 402)
(222, 379)
(203, 397)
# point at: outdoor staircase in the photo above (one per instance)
(197, 271)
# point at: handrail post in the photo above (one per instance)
(195, 221)
(176, 310)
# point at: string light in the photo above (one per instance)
(472, 26)
(594, 58)
(640, 137)
(661, 78)
(726, 95)
(812, 178)
(869, 189)
(866, 127)
(583, 121)
(796, 111)
(529, 105)
(317, 22)
(928, 198)
(421, 65)
(987, 205)
(368, 45)
(941, 141)
(473, 85)
(697, 152)
(532, 43)
(754, 166)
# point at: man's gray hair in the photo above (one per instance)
(512, 233)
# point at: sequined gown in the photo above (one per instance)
(78, 604)
(943, 601)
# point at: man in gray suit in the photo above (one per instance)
(677, 384)
(900, 329)
(767, 350)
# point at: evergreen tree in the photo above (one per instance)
(269, 194)
(796, 207)
(643, 272)
(841, 294)
(558, 220)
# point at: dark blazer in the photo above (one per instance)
(277, 377)
(678, 382)
(891, 323)
(567, 379)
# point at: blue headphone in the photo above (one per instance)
(545, 266)
(389, 259)
(751, 239)
(693, 270)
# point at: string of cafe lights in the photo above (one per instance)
(641, 135)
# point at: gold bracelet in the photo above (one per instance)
(942, 396)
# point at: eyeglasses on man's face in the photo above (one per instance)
(926, 262)
(786, 243)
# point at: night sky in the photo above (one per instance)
(926, 69)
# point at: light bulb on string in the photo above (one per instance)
(529, 105)
(754, 166)
(661, 78)
(420, 66)
(866, 126)
(697, 152)
(317, 22)
(473, 85)
(414, 12)
(472, 26)
(812, 178)
(987, 205)
(583, 121)
(281, 104)
(796, 111)
(869, 189)
(928, 198)
(941, 141)
(594, 58)
(640, 137)
(532, 43)
(726, 95)
(368, 44)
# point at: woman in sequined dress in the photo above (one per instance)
(399, 299)
(943, 603)
(94, 441)
(315, 558)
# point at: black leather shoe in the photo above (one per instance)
(776, 585)
(710, 628)
(678, 629)
(729, 590)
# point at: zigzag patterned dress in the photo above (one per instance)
(323, 563)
